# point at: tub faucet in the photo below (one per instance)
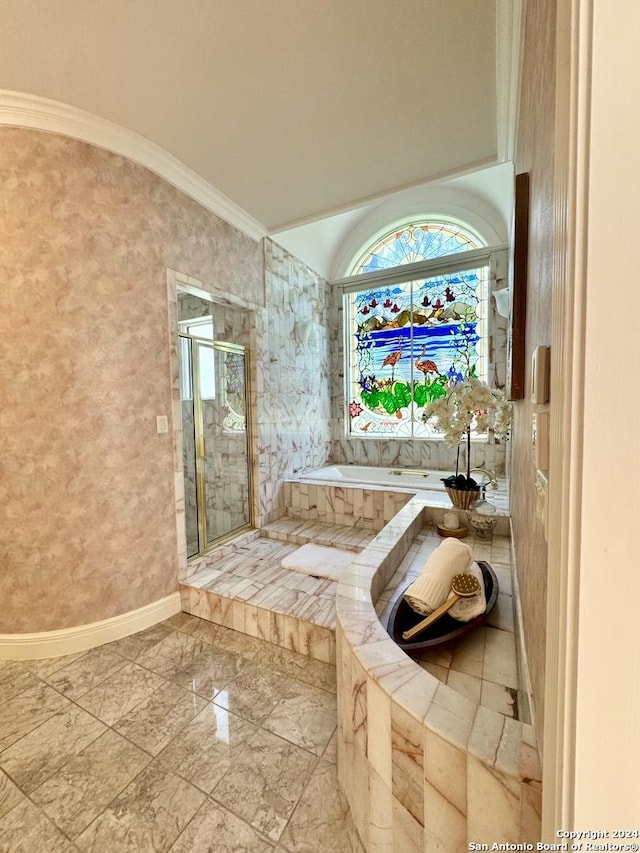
(492, 480)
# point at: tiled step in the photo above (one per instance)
(299, 531)
(249, 591)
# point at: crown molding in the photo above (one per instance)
(19, 109)
(510, 16)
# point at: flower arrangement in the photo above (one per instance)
(468, 405)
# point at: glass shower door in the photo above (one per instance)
(220, 443)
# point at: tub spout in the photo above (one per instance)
(491, 480)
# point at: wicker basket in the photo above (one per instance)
(462, 498)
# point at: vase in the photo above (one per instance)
(462, 498)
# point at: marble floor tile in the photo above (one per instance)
(10, 795)
(439, 672)
(266, 782)
(120, 693)
(500, 664)
(172, 653)
(137, 644)
(468, 685)
(502, 615)
(14, 682)
(241, 644)
(254, 693)
(330, 753)
(305, 716)
(146, 817)
(77, 793)
(86, 672)
(43, 668)
(319, 674)
(38, 755)
(209, 672)
(25, 829)
(27, 710)
(94, 788)
(499, 698)
(214, 829)
(319, 820)
(468, 655)
(208, 746)
(153, 723)
(287, 661)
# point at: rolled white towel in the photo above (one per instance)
(433, 586)
(466, 609)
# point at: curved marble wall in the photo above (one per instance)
(424, 768)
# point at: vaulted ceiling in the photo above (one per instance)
(294, 109)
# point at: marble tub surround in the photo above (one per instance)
(222, 737)
(424, 767)
(368, 507)
(483, 665)
(371, 506)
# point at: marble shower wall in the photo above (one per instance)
(410, 453)
(86, 483)
(292, 387)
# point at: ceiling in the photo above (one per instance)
(294, 109)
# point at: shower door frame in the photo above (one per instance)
(204, 544)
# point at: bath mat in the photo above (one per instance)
(319, 561)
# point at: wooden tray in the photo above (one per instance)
(446, 628)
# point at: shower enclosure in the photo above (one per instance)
(213, 391)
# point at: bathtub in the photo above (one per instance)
(426, 483)
(405, 478)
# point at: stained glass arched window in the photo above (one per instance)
(416, 242)
(406, 340)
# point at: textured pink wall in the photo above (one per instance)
(535, 154)
(86, 485)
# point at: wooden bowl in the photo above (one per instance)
(446, 628)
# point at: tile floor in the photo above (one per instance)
(187, 737)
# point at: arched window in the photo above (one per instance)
(412, 242)
(410, 330)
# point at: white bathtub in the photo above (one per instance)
(399, 478)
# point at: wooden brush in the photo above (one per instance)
(462, 586)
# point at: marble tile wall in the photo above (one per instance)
(411, 453)
(292, 393)
(86, 483)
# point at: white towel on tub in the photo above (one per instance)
(433, 586)
(466, 609)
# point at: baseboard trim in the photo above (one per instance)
(52, 644)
